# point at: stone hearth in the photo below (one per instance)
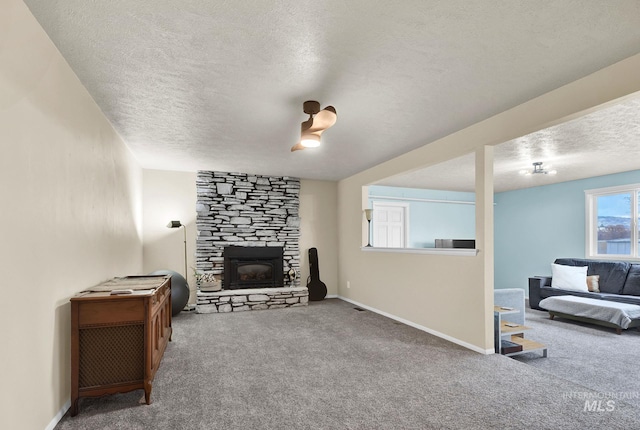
(251, 299)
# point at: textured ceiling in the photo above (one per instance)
(205, 84)
(603, 142)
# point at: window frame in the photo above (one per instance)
(591, 222)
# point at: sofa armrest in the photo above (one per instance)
(534, 290)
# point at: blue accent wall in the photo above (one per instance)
(534, 226)
(428, 220)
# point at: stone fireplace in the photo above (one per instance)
(240, 210)
(238, 217)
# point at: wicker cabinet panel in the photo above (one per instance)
(111, 355)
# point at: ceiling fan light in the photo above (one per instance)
(538, 170)
(310, 141)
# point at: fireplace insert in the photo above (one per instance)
(253, 267)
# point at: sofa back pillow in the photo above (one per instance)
(612, 273)
(569, 277)
(593, 283)
(632, 284)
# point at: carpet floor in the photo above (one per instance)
(587, 354)
(330, 366)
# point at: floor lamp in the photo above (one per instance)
(178, 224)
(368, 213)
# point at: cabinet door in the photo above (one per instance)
(111, 355)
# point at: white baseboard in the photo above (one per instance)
(332, 296)
(420, 327)
(54, 422)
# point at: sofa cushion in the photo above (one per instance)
(620, 298)
(593, 283)
(551, 291)
(612, 273)
(632, 285)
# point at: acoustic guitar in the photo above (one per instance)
(317, 288)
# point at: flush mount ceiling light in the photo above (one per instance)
(319, 121)
(538, 170)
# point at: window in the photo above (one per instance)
(613, 216)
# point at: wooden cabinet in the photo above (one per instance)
(117, 340)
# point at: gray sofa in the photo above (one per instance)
(619, 282)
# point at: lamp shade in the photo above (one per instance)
(174, 224)
(368, 213)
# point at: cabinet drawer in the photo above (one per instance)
(111, 311)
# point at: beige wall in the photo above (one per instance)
(319, 229)
(71, 215)
(451, 295)
(169, 196)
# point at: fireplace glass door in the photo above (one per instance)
(253, 267)
(255, 271)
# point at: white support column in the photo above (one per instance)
(484, 233)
